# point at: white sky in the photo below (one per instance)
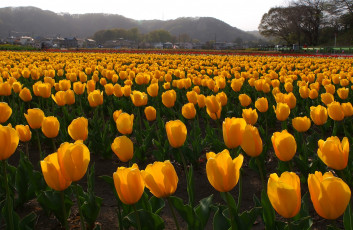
(243, 14)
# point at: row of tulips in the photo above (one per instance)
(213, 91)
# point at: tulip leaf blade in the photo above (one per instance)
(220, 222)
(149, 220)
(203, 210)
(247, 218)
(348, 218)
(268, 212)
(157, 204)
(185, 211)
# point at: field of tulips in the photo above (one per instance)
(175, 141)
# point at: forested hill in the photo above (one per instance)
(33, 21)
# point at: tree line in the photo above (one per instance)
(310, 22)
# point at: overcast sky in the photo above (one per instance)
(243, 14)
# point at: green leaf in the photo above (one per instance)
(268, 213)
(185, 211)
(190, 185)
(220, 222)
(348, 218)
(203, 210)
(248, 218)
(148, 220)
(157, 204)
(28, 222)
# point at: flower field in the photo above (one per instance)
(166, 118)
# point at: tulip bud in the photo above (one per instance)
(213, 107)
(251, 141)
(79, 87)
(150, 113)
(284, 193)
(250, 116)
(5, 112)
(169, 98)
(301, 124)
(282, 111)
(95, 98)
(201, 100)
(8, 141)
(78, 129)
(233, 129)
(116, 114)
(261, 104)
(330, 195)
(152, 90)
(318, 114)
(59, 98)
(284, 145)
(343, 93)
(34, 118)
(50, 126)
(347, 109)
(176, 133)
(123, 148)
(245, 100)
(335, 111)
(188, 111)
(223, 172)
(124, 123)
(24, 133)
(138, 98)
(129, 184)
(327, 98)
(25, 95)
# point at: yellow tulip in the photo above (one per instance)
(150, 113)
(69, 97)
(334, 153)
(138, 98)
(124, 123)
(284, 145)
(59, 98)
(222, 97)
(169, 98)
(343, 93)
(52, 173)
(79, 87)
(176, 133)
(284, 193)
(160, 178)
(304, 92)
(327, 98)
(282, 111)
(251, 141)
(237, 84)
(245, 100)
(261, 104)
(73, 160)
(213, 107)
(44, 90)
(233, 129)
(301, 124)
(25, 95)
(152, 90)
(16, 86)
(95, 98)
(118, 90)
(24, 133)
(78, 129)
(347, 109)
(5, 112)
(188, 111)
(8, 141)
(318, 114)
(330, 195)
(250, 116)
(109, 89)
(64, 85)
(34, 118)
(335, 111)
(223, 172)
(123, 148)
(192, 97)
(129, 184)
(313, 94)
(201, 100)
(50, 126)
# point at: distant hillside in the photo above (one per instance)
(33, 21)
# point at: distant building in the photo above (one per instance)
(70, 43)
(90, 43)
(167, 45)
(26, 41)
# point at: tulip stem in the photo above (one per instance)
(240, 195)
(257, 159)
(63, 209)
(137, 217)
(82, 223)
(54, 145)
(188, 182)
(289, 224)
(27, 150)
(232, 221)
(335, 126)
(39, 145)
(284, 125)
(9, 206)
(173, 213)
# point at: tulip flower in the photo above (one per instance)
(343, 93)
(290, 100)
(69, 97)
(330, 195)
(52, 173)
(250, 116)
(79, 87)
(335, 111)
(284, 193)
(123, 148)
(176, 133)
(201, 100)
(192, 97)
(245, 100)
(150, 113)
(109, 89)
(160, 178)
(213, 107)
(50, 126)
(282, 111)
(261, 104)
(251, 141)
(78, 129)
(59, 98)
(222, 97)
(95, 98)
(301, 124)
(313, 94)
(318, 114)
(124, 123)
(334, 153)
(233, 129)
(237, 84)
(284, 145)
(188, 111)
(347, 109)
(73, 160)
(169, 98)
(327, 98)
(8, 141)
(129, 184)
(5, 112)
(223, 172)
(138, 98)
(304, 92)
(152, 90)
(24, 133)
(25, 95)
(34, 118)
(116, 114)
